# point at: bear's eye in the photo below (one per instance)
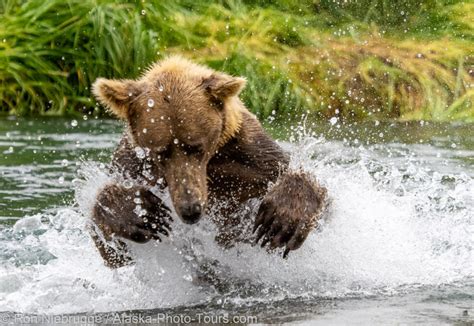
(192, 149)
(163, 153)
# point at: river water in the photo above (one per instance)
(395, 246)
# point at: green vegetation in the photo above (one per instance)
(357, 59)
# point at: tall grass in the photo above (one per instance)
(405, 59)
(52, 50)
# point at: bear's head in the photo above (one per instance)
(180, 113)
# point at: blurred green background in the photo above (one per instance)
(354, 59)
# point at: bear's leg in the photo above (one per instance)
(290, 211)
(131, 213)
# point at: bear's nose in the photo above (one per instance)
(191, 212)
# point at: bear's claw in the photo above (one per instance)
(289, 212)
(116, 214)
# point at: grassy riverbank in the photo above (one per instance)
(366, 59)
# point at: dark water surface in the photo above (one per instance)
(396, 245)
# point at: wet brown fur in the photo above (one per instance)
(206, 147)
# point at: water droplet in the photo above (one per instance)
(176, 141)
(140, 152)
(137, 200)
(74, 123)
(143, 12)
(150, 103)
(64, 162)
(145, 130)
(161, 88)
(333, 121)
(61, 180)
(127, 184)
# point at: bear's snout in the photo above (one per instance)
(190, 211)
(186, 180)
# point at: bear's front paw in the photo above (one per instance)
(151, 217)
(290, 211)
(135, 214)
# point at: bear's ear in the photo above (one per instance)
(222, 86)
(115, 94)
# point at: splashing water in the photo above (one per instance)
(399, 220)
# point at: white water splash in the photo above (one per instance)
(394, 222)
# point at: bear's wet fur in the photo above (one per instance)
(187, 130)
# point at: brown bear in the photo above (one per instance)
(187, 130)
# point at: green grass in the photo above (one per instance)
(364, 59)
